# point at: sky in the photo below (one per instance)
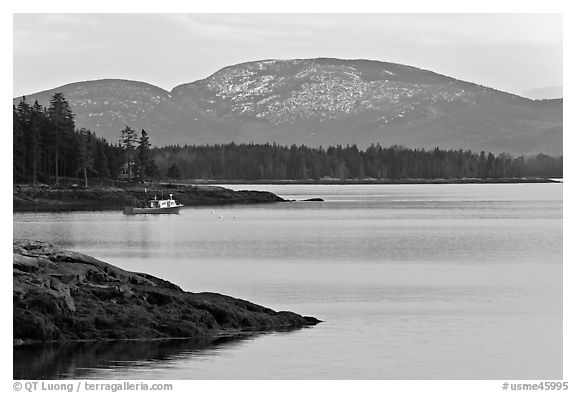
(510, 52)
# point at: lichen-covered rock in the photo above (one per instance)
(60, 295)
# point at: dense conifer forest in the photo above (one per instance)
(275, 162)
(47, 147)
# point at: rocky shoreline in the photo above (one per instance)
(64, 296)
(28, 198)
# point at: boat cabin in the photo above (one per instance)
(156, 206)
(163, 203)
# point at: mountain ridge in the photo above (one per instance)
(316, 102)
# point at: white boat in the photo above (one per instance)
(156, 206)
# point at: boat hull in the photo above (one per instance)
(153, 210)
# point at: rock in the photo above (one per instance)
(60, 295)
(313, 200)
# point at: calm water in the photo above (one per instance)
(412, 281)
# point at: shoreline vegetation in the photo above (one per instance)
(328, 181)
(65, 296)
(28, 198)
(49, 148)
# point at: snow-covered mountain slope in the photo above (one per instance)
(321, 102)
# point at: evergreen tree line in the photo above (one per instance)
(276, 162)
(47, 147)
(138, 164)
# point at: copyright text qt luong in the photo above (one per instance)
(85, 386)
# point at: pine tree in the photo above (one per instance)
(37, 124)
(17, 146)
(143, 153)
(86, 155)
(21, 131)
(128, 140)
(62, 130)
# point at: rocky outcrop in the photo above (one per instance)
(27, 198)
(214, 195)
(60, 295)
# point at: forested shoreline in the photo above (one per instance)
(275, 162)
(47, 148)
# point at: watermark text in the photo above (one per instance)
(542, 386)
(88, 386)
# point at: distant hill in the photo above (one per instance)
(320, 102)
(544, 93)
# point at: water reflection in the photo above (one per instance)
(85, 360)
(416, 281)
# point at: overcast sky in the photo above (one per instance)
(510, 52)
